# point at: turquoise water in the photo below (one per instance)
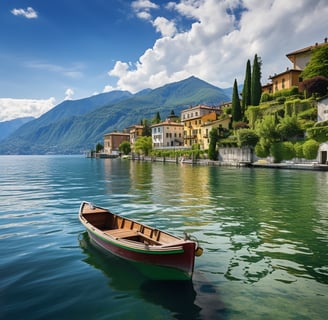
(264, 234)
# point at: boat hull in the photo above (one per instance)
(177, 262)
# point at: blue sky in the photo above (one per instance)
(53, 50)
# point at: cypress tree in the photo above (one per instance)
(256, 88)
(212, 152)
(246, 96)
(157, 118)
(236, 108)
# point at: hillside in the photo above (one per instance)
(76, 126)
(8, 127)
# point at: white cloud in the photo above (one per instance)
(142, 8)
(107, 88)
(18, 108)
(69, 94)
(140, 5)
(223, 37)
(165, 27)
(28, 13)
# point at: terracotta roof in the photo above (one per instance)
(167, 123)
(306, 49)
(285, 72)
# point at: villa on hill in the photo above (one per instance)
(292, 76)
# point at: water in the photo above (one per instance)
(264, 234)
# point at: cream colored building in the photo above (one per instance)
(167, 134)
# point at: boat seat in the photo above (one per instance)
(121, 233)
(149, 238)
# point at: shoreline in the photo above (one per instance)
(314, 166)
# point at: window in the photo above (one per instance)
(283, 83)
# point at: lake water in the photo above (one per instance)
(264, 234)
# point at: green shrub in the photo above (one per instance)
(261, 150)
(231, 141)
(247, 138)
(282, 151)
(252, 114)
(281, 100)
(298, 146)
(319, 134)
(310, 149)
(310, 114)
(297, 106)
(265, 97)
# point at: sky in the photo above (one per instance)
(53, 50)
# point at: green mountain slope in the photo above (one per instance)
(57, 132)
(8, 127)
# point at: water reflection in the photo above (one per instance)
(196, 299)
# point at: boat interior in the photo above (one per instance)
(122, 228)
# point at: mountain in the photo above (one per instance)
(68, 131)
(8, 127)
(69, 108)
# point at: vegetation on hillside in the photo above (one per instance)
(283, 125)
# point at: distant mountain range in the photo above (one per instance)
(73, 127)
(8, 127)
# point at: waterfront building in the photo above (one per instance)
(112, 142)
(167, 134)
(193, 118)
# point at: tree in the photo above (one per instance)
(143, 145)
(256, 87)
(157, 118)
(125, 147)
(236, 108)
(146, 131)
(246, 95)
(99, 147)
(289, 128)
(247, 138)
(318, 64)
(212, 152)
(267, 131)
(316, 85)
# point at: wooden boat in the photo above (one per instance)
(137, 242)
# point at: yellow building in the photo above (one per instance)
(292, 76)
(220, 124)
(193, 119)
(135, 132)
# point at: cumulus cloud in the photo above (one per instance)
(143, 5)
(220, 40)
(28, 13)
(18, 108)
(165, 27)
(69, 94)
